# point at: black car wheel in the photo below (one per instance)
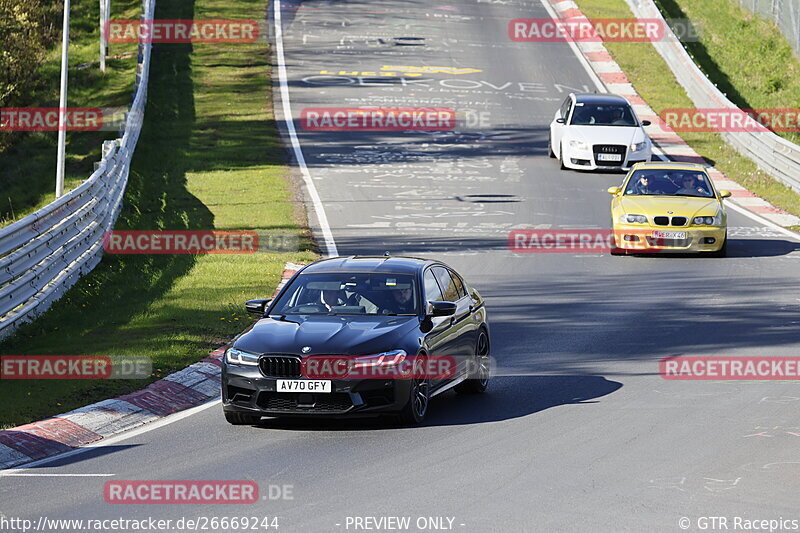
(418, 400)
(479, 384)
(242, 419)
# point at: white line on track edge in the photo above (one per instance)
(10, 472)
(657, 150)
(330, 244)
(581, 58)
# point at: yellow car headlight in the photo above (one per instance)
(632, 219)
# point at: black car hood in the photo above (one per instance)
(347, 335)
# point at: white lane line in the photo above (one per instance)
(741, 210)
(327, 235)
(660, 153)
(330, 246)
(581, 58)
(113, 440)
(26, 474)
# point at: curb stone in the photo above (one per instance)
(190, 387)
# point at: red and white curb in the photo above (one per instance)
(192, 386)
(665, 137)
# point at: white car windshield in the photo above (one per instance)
(602, 115)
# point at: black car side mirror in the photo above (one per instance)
(646, 123)
(441, 308)
(257, 307)
(561, 120)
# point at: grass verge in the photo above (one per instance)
(209, 158)
(747, 56)
(28, 167)
(655, 83)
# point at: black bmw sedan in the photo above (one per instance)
(359, 335)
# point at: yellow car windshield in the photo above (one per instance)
(669, 182)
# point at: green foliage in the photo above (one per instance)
(27, 30)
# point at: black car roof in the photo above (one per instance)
(591, 98)
(378, 264)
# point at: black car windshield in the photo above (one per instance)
(668, 182)
(349, 294)
(602, 115)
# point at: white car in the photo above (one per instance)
(598, 131)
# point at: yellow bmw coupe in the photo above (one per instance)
(669, 207)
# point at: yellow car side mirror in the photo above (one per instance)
(613, 190)
(724, 194)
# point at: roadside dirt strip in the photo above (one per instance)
(668, 141)
(190, 387)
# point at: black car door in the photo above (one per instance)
(462, 326)
(441, 339)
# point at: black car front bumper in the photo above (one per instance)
(246, 390)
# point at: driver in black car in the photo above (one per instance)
(403, 300)
(333, 298)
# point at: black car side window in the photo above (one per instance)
(459, 284)
(449, 289)
(432, 291)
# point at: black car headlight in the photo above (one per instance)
(238, 357)
(394, 357)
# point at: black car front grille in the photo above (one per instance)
(280, 366)
(665, 221)
(620, 149)
(301, 402)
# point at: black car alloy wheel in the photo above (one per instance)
(478, 384)
(419, 396)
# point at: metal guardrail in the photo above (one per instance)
(47, 252)
(773, 154)
(785, 13)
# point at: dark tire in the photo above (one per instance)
(561, 157)
(619, 251)
(478, 385)
(418, 400)
(242, 419)
(550, 151)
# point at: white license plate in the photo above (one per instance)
(303, 385)
(609, 157)
(669, 234)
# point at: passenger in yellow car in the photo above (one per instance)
(692, 188)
